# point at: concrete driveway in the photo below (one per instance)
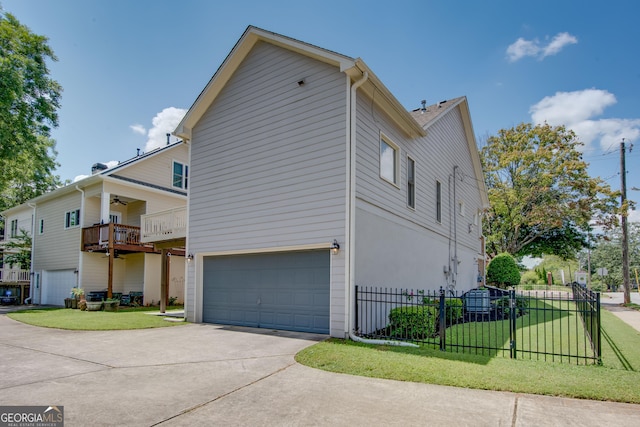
(196, 375)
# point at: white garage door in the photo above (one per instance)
(56, 286)
(288, 290)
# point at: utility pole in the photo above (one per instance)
(625, 236)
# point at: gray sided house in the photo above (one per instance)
(296, 149)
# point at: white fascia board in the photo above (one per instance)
(376, 90)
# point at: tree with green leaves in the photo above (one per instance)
(18, 251)
(29, 100)
(608, 254)
(503, 271)
(541, 195)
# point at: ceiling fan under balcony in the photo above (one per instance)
(116, 201)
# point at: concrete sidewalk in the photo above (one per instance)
(612, 301)
(196, 374)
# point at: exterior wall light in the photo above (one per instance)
(190, 257)
(335, 247)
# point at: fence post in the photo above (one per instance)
(512, 323)
(598, 334)
(442, 317)
(356, 329)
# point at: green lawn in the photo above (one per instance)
(618, 379)
(66, 318)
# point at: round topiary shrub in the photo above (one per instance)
(503, 271)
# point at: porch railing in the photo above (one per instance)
(98, 235)
(165, 225)
(12, 275)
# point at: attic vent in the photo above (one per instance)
(98, 167)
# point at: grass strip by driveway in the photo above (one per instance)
(430, 366)
(620, 344)
(66, 318)
(617, 380)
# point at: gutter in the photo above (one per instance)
(78, 282)
(32, 274)
(350, 280)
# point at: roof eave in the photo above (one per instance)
(376, 90)
(473, 150)
(251, 36)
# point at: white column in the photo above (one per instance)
(104, 207)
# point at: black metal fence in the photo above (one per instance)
(561, 326)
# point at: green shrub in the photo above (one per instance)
(453, 310)
(413, 322)
(521, 306)
(503, 271)
(530, 279)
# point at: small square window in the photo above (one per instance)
(72, 219)
(389, 161)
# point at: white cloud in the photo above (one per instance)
(634, 216)
(576, 110)
(139, 129)
(521, 47)
(571, 107)
(163, 123)
(559, 41)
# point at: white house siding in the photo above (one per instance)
(24, 220)
(157, 168)
(152, 271)
(57, 248)
(268, 164)
(402, 247)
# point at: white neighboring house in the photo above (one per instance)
(296, 150)
(108, 232)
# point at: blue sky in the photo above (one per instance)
(129, 69)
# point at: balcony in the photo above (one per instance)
(14, 276)
(121, 237)
(164, 226)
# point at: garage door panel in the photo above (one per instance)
(277, 290)
(56, 286)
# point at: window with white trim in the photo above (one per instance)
(14, 228)
(389, 166)
(180, 175)
(41, 226)
(72, 218)
(461, 206)
(115, 217)
(411, 183)
(438, 201)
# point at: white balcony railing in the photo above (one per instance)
(165, 225)
(13, 275)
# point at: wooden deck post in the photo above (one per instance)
(164, 279)
(111, 254)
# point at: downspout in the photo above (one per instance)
(455, 229)
(78, 282)
(351, 221)
(32, 273)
